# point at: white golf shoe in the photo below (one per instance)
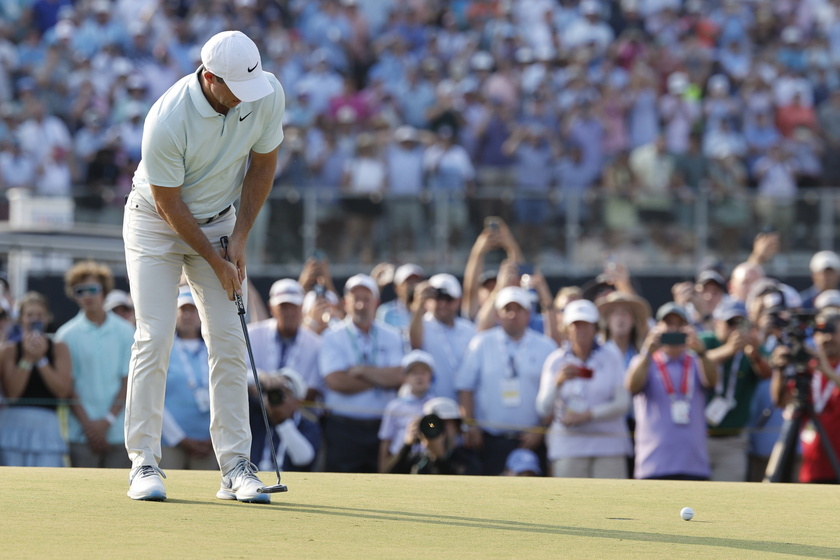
(145, 483)
(241, 483)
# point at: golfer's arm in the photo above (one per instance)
(174, 211)
(343, 382)
(255, 190)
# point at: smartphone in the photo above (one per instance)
(672, 338)
(319, 255)
(585, 373)
(37, 326)
(525, 269)
(492, 223)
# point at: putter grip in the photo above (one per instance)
(238, 298)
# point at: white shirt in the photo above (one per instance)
(301, 356)
(486, 372)
(604, 394)
(344, 346)
(447, 345)
(187, 143)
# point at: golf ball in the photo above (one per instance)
(687, 513)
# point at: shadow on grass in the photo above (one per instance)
(796, 549)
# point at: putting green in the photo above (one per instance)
(84, 513)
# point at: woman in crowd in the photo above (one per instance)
(582, 388)
(36, 376)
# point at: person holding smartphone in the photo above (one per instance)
(582, 392)
(36, 377)
(668, 379)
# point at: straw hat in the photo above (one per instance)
(639, 307)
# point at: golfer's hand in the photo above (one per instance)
(231, 269)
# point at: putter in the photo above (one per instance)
(241, 310)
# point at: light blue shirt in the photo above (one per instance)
(100, 355)
(394, 313)
(447, 345)
(487, 371)
(345, 346)
(187, 143)
(301, 355)
(188, 384)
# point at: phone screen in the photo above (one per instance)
(672, 338)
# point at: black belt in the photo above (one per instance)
(206, 221)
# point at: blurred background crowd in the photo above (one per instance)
(651, 129)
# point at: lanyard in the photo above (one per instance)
(362, 358)
(731, 380)
(685, 385)
(822, 395)
(286, 347)
(187, 363)
(514, 374)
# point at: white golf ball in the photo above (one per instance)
(687, 513)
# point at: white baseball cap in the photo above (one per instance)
(823, 260)
(364, 281)
(406, 271)
(116, 298)
(185, 297)
(232, 56)
(828, 298)
(444, 407)
(513, 294)
(286, 291)
(417, 357)
(447, 284)
(580, 310)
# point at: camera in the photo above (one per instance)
(275, 396)
(319, 289)
(37, 326)
(672, 338)
(431, 426)
(585, 373)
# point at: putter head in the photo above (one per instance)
(273, 489)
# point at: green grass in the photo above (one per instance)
(82, 513)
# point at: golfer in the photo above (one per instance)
(210, 139)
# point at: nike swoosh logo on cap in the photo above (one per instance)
(245, 117)
(254, 67)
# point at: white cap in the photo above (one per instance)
(580, 310)
(828, 298)
(232, 56)
(677, 83)
(513, 294)
(285, 291)
(446, 283)
(311, 297)
(823, 260)
(116, 298)
(590, 7)
(406, 271)
(294, 381)
(185, 296)
(364, 281)
(444, 407)
(405, 133)
(417, 357)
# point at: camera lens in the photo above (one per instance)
(431, 426)
(275, 397)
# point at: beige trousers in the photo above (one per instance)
(155, 257)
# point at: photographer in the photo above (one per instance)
(582, 390)
(823, 368)
(433, 444)
(734, 346)
(667, 380)
(297, 438)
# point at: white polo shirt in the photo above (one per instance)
(504, 377)
(301, 355)
(345, 346)
(187, 143)
(447, 345)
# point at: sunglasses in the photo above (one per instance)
(83, 290)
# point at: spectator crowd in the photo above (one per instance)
(490, 375)
(615, 113)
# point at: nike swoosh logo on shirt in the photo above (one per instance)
(245, 117)
(253, 68)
